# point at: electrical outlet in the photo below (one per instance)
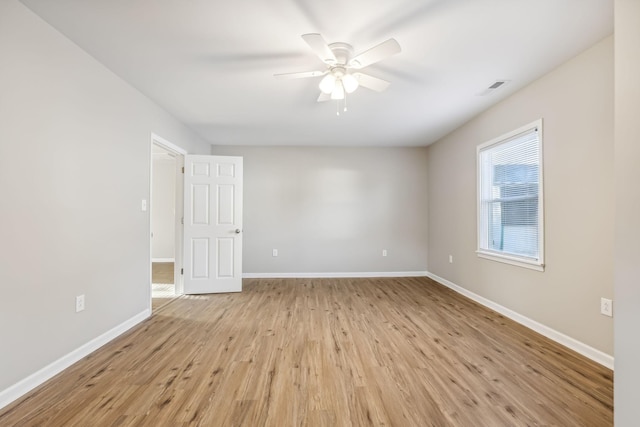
(79, 303)
(606, 307)
(450, 259)
(274, 252)
(384, 252)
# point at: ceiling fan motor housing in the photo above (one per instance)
(343, 53)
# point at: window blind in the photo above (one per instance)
(509, 196)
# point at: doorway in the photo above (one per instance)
(165, 221)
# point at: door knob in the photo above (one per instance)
(238, 231)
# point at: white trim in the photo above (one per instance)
(333, 275)
(520, 262)
(178, 278)
(163, 260)
(155, 139)
(502, 138)
(578, 346)
(27, 384)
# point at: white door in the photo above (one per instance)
(212, 224)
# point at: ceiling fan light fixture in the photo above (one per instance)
(338, 91)
(328, 83)
(350, 83)
(341, 75)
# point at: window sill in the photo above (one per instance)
(520, 262)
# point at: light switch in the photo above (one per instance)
(144, 205)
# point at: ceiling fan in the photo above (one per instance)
(342, 73)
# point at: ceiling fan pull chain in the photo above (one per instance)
(345, 102)
(337, 107)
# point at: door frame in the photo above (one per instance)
(179, 208)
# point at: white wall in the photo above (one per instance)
(627, 190)
(163, 207)
(74, 167)
(575, 102)
(333, 210)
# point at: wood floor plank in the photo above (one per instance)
(325, 352)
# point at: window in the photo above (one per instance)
(510, 226)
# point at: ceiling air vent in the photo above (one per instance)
(494, 87)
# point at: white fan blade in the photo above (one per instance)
(320, 47)
(324, 97)
(371, 82)
(302, 75)
(375, 54)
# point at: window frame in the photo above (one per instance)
(521, 261)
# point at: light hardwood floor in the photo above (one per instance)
(162, 286)
(162, 272)
(325, 352)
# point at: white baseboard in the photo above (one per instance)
(24, 386)
(578, 346)
(163, 260)
(333, 275)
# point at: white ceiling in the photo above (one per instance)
(210, 63)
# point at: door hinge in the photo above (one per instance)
(181, 271)
(183, 169)
(182, 220)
